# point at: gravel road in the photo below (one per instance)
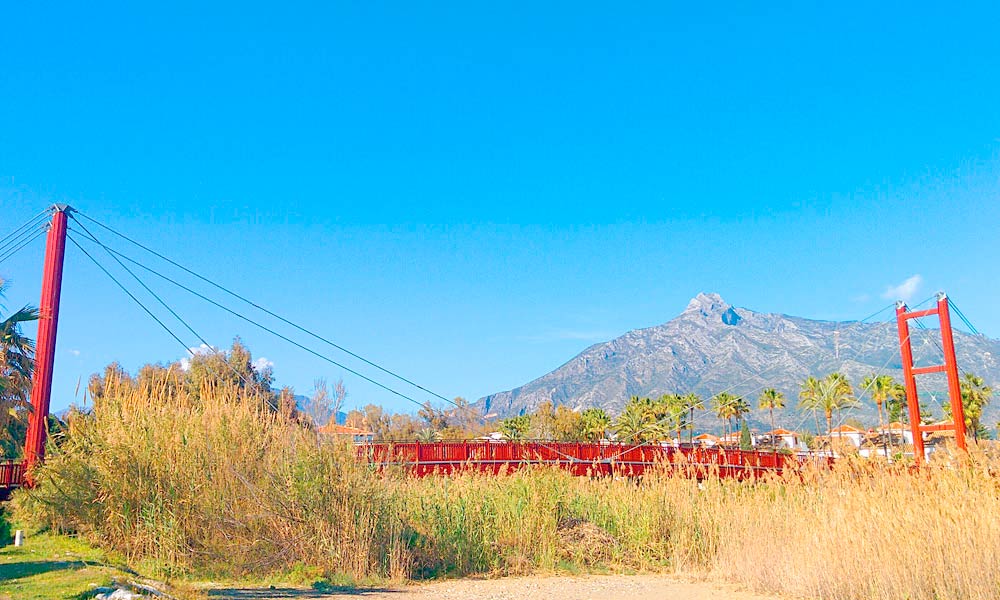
(591, 587)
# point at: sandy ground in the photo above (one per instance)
(596, 587)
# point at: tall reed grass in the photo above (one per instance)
(224, 486)
(215, 482)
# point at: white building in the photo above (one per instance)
(783, 438)
(846, 432)
(706, 440)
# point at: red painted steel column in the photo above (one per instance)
(951, 369)
(912, 402)
(48, 321)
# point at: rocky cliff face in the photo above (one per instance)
(713, 346)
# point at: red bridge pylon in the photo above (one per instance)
(45, 350)
(949, 368)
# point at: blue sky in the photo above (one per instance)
(471, 195)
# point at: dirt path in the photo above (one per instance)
(591, 587)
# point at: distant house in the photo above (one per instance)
(733, 439)
(730, 439)
(781, 438)
(897, 432)
(933, 439)
(848, 433)
(358, 436)
(706, 440)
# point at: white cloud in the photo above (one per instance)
(904, 291)
(262, 363)
(75, 352)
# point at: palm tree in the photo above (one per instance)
(836, 393)
(975, 396)
(692, 402)
(672, 410)
(428, 435)
(719, 405)
(809, 393)
(595, 423)
(882, 388)
(740, 409)
(725, 406)
(515, 428)
(645, 404)
(16, 365)
(634, 423)
(771, 399)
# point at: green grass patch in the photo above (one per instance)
(50, 566)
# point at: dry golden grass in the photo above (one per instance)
(220, 485)
(226, 487)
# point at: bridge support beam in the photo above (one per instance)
(45, 349)
(950, 368)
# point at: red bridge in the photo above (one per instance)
(11, 477)
(423, 459)
(585, 459)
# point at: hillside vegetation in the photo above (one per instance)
(214, 482)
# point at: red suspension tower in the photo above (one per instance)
(45, 350)
(949, 368)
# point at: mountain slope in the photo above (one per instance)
(713, 346)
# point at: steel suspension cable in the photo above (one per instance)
(146, 287)
(265, 310)
(961, 315)
(25, 225)
(745, 380)
(10, 253)
(187, 326)
(928, 338)
(267, 329)
(150, 313)
(857, 352)
(843, 417)
(130, 295)
(868, 387)
(773, 367)
(17, 239)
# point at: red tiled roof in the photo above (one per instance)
(846, 429)
(780, 431)
(895, 426)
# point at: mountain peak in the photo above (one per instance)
(707, 304)
(713, 346)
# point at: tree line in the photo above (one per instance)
(645, 419)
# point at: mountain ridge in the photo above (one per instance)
(713, 346)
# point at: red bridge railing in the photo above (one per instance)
(586, 459)
(11, 477)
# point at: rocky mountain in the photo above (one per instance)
(713, 346)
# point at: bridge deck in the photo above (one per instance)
(11, 477)
(585, 459)
(578, 458)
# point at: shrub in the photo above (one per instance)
(215, 482)
(6, 531)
